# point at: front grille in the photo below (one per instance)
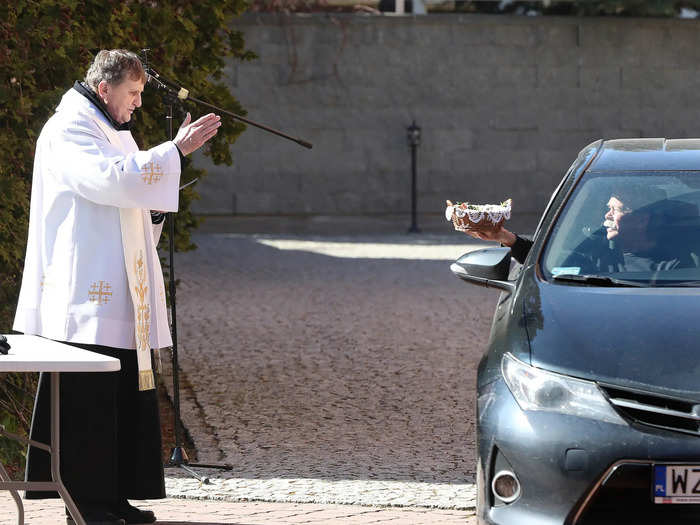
(625, 498)
(681, 415)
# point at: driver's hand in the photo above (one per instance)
(501, 235)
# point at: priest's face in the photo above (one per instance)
(121, 99)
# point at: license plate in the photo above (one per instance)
(676, 483)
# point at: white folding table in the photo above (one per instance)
(29, 353)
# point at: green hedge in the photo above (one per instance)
(45, 46)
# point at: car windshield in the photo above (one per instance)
(628, 229)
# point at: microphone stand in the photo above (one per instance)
(178, 456)
(171, 95)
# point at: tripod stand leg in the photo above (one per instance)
(202, 479)
(225, 466)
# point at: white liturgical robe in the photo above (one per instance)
(86, 173)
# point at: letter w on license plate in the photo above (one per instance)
(676, 483)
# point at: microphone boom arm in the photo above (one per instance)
(301, 142)
(183, 94)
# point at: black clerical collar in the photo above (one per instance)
(89, 94)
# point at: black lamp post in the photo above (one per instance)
(413, 135)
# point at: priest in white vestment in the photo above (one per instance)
(92, 278)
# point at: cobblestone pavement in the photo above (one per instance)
(187, 512)
(336, 375)
(331, 370)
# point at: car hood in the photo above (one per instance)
(647, 338)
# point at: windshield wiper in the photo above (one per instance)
(691, 284)
(597, 280)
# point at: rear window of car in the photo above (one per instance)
(641, 227)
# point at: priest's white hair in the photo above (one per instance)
(112, 66)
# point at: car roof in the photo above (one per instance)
(657, 154)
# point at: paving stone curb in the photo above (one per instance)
(347, 492)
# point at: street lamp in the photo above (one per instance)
(413, 136)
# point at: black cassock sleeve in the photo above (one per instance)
(157, 217)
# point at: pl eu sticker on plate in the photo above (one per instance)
(676, 483)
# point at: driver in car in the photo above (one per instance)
(634, 238)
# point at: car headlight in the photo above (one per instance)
(536, 389)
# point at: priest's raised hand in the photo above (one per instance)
(192, 135)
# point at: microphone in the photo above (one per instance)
(153, 78)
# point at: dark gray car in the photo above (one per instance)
(588, 397)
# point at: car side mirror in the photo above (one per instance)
(488, 267)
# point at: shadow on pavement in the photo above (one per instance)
(198, 523)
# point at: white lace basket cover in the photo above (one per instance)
(467, 216)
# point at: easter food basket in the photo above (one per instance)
(477, 217)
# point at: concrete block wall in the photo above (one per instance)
(504, 103)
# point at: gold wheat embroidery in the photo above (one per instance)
(151, 172)
(100, 292)
(143, 311)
